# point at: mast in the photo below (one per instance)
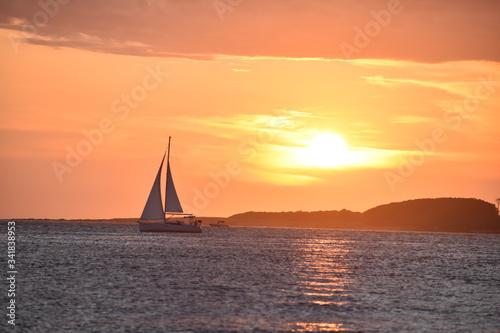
(167, 174)
(172, 203)
(168, 151)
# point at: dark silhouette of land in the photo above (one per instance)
(441, 215)
(437, 215)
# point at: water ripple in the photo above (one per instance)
(81, 277)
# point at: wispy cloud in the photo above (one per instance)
(461, 88)
(392, 83)
(237, 70)
(239, 126)
(412, 120)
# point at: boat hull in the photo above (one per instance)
(168, 227)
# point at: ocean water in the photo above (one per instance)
(108, 277)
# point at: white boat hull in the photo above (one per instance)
(168, 227)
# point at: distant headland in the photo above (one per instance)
(437, 215)
(466, 215)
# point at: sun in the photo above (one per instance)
(325, 150)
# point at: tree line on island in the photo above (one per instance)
(438, 215)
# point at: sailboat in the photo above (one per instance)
(153, 218)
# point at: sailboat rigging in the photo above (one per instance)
(153, 215)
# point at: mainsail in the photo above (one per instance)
(153, 210)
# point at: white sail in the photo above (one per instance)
(172, 203)
(153, 210)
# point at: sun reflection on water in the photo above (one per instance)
(317, 327)
(323, 278)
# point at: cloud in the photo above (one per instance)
(380, 80)
(412, 120)
(444, 79)
(274, 125)
(453, 30)
(450, 87)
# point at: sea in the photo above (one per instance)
(108, 277)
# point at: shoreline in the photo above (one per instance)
(208, 220)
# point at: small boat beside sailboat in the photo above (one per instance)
(219, 224)
(154, 216)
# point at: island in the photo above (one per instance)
(436, 215)
(466, 215)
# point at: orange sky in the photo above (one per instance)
(90, 91)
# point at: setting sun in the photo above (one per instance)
(325, 150)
